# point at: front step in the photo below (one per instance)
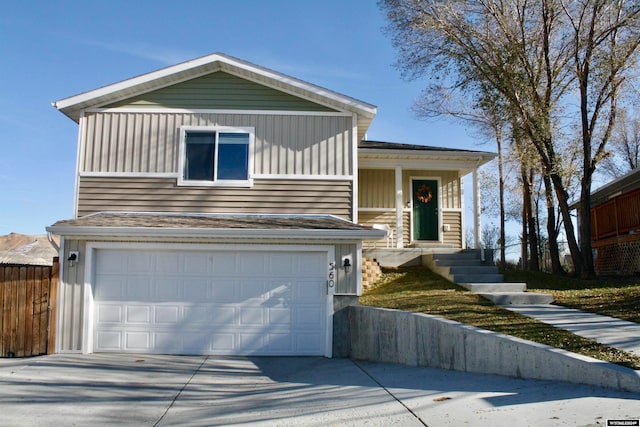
(481, 277)
(477, 278)
(517, 298)
(494, 287)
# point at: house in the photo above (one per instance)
(615, 225)
(217, 209)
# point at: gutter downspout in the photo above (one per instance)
(52, 242)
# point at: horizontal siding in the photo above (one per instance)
(163, 195)
(454, 235)
(371, 218)
(126, 142)
(220, 90)
(376, 187)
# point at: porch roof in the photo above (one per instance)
(378, 154)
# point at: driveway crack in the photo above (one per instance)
(389, 393)
(186, 384)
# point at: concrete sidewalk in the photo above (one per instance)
(606, 330)
(120, 389)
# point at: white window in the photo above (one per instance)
(216, 156)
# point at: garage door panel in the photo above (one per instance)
(224, 291)
(196, 263)
(251, 289)
(306, 316)
(110, 313)
(279, 317)
(308, 343)
(195, 289)
(167, 314)
(308, 292)
(166, 263)
(168, 289)
(139, 262)
(108, 341)
(138, 314)
(224, 264)
(137, 289)
(253, 264)
(210, 302)
(111, 288)
(137, 341)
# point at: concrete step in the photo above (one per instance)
(462, 255)
(459, 262)
(477, 278)
(473, 269)
(517, 298)
(494, 287)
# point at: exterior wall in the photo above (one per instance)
(71, 294)
(133, 194)
(370, 218)
(72, 298)
(453, 219)
(376, 187)
(376, 201)
(147, 142)
(220, 90)
(347, 283)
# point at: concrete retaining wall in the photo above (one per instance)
(423, 340)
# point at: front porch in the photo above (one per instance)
(416, 194)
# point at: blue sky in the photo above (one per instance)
(54, 49)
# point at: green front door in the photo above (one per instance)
(425, 209)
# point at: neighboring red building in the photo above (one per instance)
(615, 225)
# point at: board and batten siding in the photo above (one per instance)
(148, 142)
(140, 194)
(71, 291)
(220, 90)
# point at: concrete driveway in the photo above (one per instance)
(105, 389)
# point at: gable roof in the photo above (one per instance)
(372, 154)
(74, 105)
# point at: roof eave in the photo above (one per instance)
(74, 105)
(212, 233)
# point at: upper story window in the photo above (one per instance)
(216, 156)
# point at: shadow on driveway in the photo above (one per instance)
(104, 389)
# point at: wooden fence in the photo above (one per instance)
(28, 297)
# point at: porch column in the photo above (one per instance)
(477, 230)
(399, 207)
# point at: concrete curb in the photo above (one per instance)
(415, 339)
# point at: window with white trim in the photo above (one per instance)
(216, 156)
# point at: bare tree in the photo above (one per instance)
(531, 54)
(623, 154)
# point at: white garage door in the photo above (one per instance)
(210, 302)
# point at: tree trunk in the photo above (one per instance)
(585, 227)
(533, 261)
(503, 256)
(563, 204)
(554, 251)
